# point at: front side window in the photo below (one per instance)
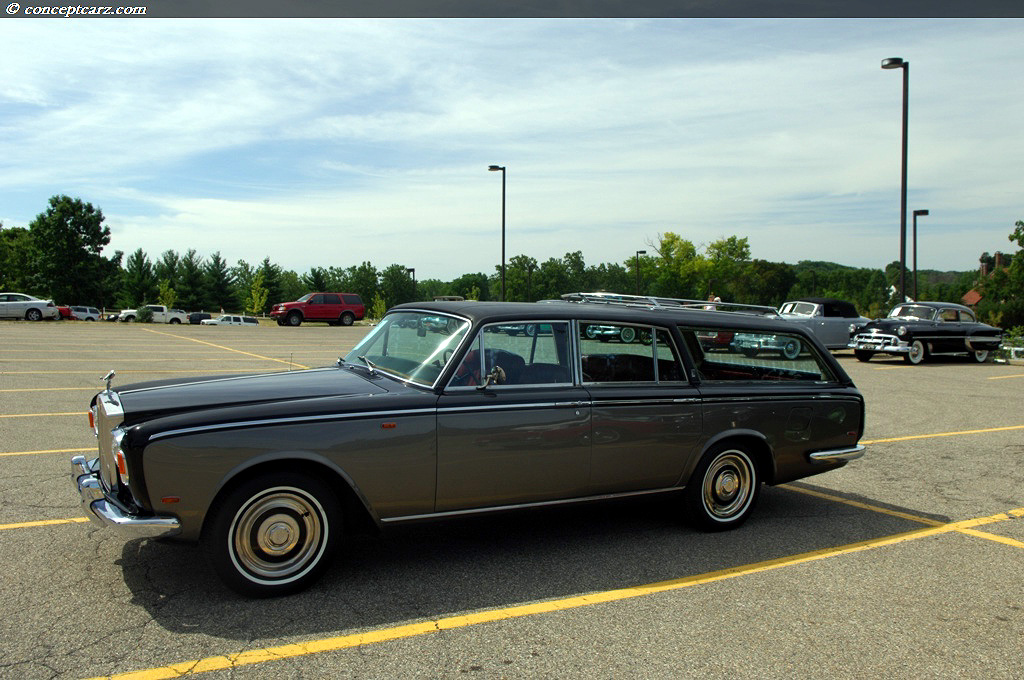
(517, 354)
(912, 312)
(648, 355)
(753, 356)
(413, 346)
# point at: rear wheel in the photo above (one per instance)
(175, 321)
(627, 334)
(274, 534)
(918, 353)
(347, 319)
(790, 348)
(35, 315)
(723, 489)
(863, 354)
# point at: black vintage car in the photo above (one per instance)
(268, 472)
(916, 330)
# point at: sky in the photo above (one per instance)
(331, 142)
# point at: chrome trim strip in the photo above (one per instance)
(102, 512)
(774, 397)
(508, 407)
(834, 455)
(521, 506)
(640, 402)
(288, 421)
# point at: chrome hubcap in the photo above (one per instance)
(729, 485)
(278, 535)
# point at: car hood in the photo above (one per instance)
(146, 401)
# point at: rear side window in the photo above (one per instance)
(352, 299)
(726, 355)
(612, 353)
(331, 299)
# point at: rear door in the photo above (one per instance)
(646, 416)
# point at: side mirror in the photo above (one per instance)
(421, 331)
(495, 377)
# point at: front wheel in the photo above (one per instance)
(274, 534)
(863, 354)
(627, 334)
(980, 355)
(294, 319)
(918, 352)
(723, 489)
(790, 349)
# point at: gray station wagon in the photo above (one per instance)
(268, 472)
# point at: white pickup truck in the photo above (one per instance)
(161, 314)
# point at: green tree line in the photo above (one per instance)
(60, 256)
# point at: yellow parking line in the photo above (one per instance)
(43, 523)
(943, 434)
(863, 506)
(43, 415)
(231, 661)
(52, 389)
(33, 453)
(993, 537)
(227, 349)
(1004, 377)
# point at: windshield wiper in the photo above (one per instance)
(369, 364)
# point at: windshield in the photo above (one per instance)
(305, 297)
(912, 312)
(801, 308)
(412, 346)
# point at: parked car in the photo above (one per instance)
(85, 313)
(196, 318)
(28, 307)
(63, 312)
(161, 314)
(269, 471)
(829, 319)
(334, 308)
(917, 330)
(231, 320)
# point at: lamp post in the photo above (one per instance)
(495, 168)
(412, 272)
(893, 63)
(917, 213)
(638, 254)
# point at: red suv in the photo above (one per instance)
(334, 308)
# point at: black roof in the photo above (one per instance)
(936, 305)
(487, 312)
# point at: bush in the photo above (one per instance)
(144, 315)
(1013, 337)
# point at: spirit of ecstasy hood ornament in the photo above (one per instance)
(108, 377)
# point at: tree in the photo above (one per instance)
(16, 259)
(315, 280)
(361, 280)
(192, 282)
(167, 267)
(219, 282)
(138, 284)
(1003, 289)
(519, 278)
(271, 282)
(396, 285)
(472, 286)
(257, 298)
(67, 245)
(166, 294)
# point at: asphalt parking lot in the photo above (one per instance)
(906, 563)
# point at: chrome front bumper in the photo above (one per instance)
(104, 512)
(835, 455)
(879, 342)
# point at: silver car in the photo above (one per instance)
(22, 306)
(830, 320)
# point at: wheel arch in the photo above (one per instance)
(753, 441)
(357, 514)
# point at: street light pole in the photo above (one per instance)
(638, 254)
(893, 63)
(917, 213)
(412, 271)
(495, 168)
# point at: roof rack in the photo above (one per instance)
(652, 302)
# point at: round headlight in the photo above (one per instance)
(901, 331)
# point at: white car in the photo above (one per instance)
(21, 306)
(85, 313)
(231, 320)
